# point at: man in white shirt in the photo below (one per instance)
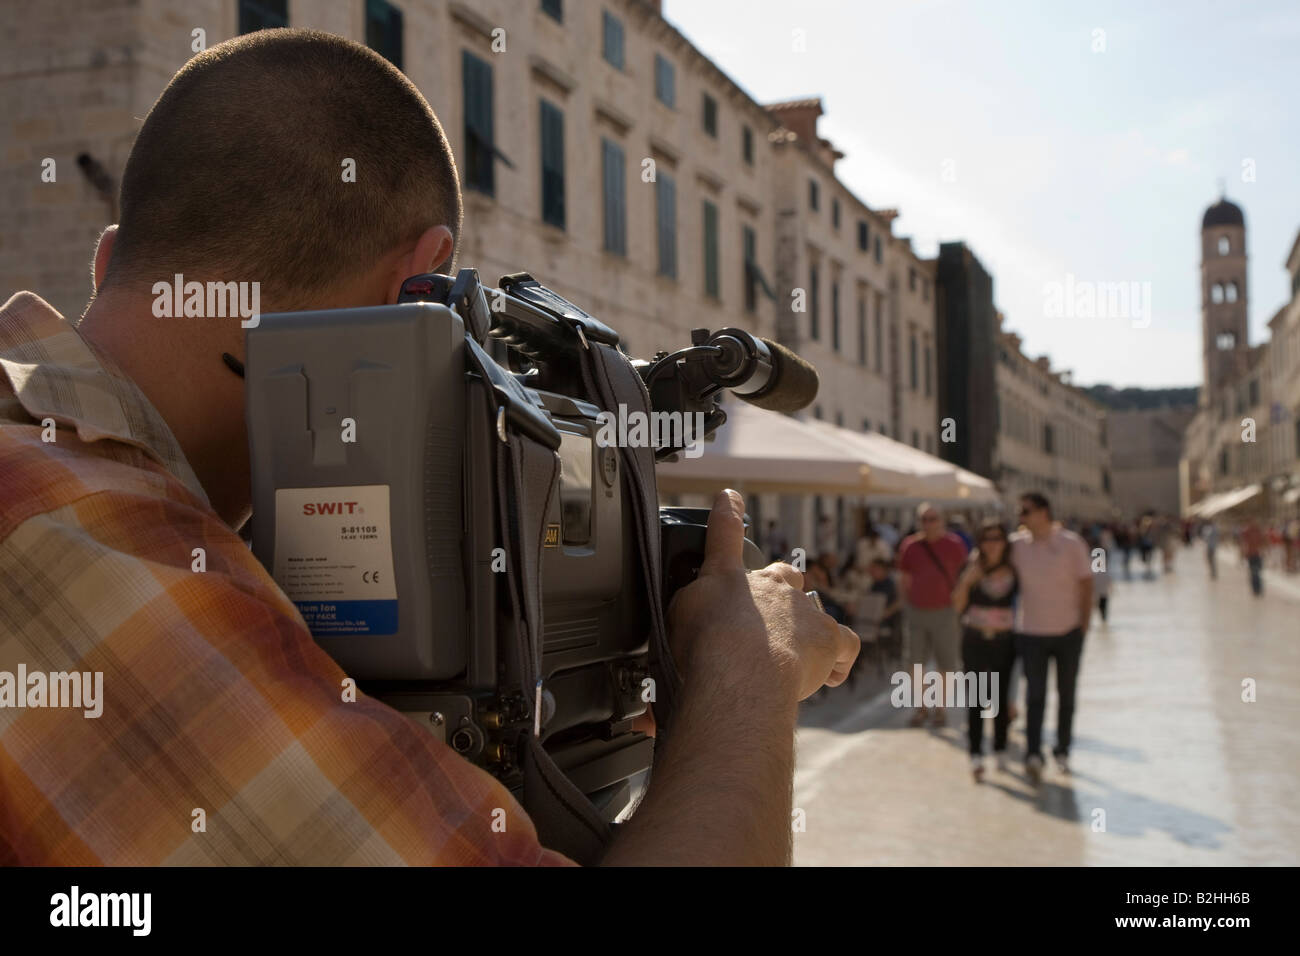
(1055, 610)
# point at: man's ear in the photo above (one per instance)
(104, 252)
(431, 251)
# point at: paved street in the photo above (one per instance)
(1185, 771)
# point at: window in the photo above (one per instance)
(711, 283)
(1047, 439)
(710, 118)
(1225, 341)
(1230, 292)
(750, 243)
(666, 223)
(384, 30)
(612, 48)
(880, 335)
(554, 9)
(665, 82)
(1223, 461)
(864, 237)
(911, 279)
(1253, 393)
(747, 145)
(476, 78)
(552, 164)
(614, 175)
(928, 382)
(817, 414)
(262, 14)
(835, 213)
(813, 198)
(839, 419)
(929, 444)
(835, 314)
(862, 331)
(866, 424)
(925, 290)
(883, 430)
(913, 362)
(754, 278)
(916, 438)
(1225, 246)
(1297, 432)
(880, 257)
(1216, 293)
(814, 320)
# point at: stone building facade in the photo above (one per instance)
(1051, 437)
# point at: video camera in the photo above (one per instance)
(426, 508)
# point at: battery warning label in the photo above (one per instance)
(334, 558)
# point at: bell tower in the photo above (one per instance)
(1223, 295)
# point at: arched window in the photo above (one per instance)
(1226, 341)
(1225, 246)
(1230, 293)
(1216, 293)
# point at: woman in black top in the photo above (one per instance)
(985, 597)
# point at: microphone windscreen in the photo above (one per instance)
(794, 382)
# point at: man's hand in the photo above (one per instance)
(749, 647)
(749, 628)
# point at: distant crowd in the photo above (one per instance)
(973, 595)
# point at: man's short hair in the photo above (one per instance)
(1038, 500)
(925, 506)
(238, 171)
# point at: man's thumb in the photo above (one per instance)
(724, 546)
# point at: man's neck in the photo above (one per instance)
(1043, 533)
(176, 363)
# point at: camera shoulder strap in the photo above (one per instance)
(527, 476)
(611, 381)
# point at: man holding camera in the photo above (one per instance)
(226, 735)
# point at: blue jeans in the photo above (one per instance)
(1255, 562)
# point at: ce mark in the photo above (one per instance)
(370, 577)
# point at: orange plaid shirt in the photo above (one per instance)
(215, 697)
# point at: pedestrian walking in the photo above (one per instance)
(930, 562)
(985, 596)
(1253, 543)
(1053, 615)
(1210, 535)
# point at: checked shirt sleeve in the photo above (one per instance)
(224, 737)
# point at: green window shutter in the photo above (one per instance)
(666, 221)
(384, 30)
(552, 125)
(476, 76)
(712, 287)
(835, 314)
(814, 304)
(613, 39)
(665, 82)
(615, 197)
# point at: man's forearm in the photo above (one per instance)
(720, 792)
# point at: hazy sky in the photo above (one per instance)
(1059, 160)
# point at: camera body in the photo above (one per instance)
(380, 508)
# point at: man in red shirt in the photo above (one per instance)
(931, 561)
